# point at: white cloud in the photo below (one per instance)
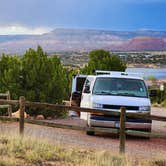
(17, 29)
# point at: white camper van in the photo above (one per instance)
(109, 90)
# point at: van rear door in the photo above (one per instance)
(77, 87)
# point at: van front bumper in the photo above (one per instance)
(114, 122)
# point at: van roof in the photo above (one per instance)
(118, 74)
(80, 75)
(113, 74)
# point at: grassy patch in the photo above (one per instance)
(164, 124)
(15, 151)
(156, 105)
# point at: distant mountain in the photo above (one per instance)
(120, 34)
(85, 40)
(145, 44)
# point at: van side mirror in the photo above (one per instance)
(87, 89)
(153, 93)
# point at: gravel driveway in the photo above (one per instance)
(139, 147)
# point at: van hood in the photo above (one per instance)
(121, 100)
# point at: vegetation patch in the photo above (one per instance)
(16, 151)
(163, 103)
(165, 125)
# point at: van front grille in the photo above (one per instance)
(119, 106)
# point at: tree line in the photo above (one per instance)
(43, 78)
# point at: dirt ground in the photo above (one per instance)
(139, 147)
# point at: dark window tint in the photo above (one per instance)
(80, 84)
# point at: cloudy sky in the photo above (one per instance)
(40, 16)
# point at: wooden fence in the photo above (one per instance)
(9, 108)
(122, 131)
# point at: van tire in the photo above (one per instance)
(148, 130)
(90, 133)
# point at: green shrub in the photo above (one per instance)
(164, 103)
(3, 111)
(37, 76)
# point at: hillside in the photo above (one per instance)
(145, 44)
(85, 40)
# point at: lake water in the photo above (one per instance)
(157, 73)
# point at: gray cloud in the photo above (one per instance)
(144, 1)
(116, 14)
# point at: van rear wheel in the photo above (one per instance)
(90, 133)
(149, 131)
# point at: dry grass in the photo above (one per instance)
(164, 124)
(15, 151)
(156, 105)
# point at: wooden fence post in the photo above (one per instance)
(10, 107)
(122, 134)
(22, 110)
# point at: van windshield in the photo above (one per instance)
(120, 87)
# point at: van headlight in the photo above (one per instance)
(144, 108)
(97, 105)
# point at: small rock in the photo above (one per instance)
(49, 118)
(28, 116)
(32, 117)
(39, 117)
(17, 114)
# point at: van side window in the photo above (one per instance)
(87, 83)
(87, 86)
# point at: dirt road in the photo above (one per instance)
(136, 146)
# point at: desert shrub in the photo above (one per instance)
(3, 111)
(103, 60)
(36, 76)
(164, 103)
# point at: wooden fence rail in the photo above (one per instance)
(9, 108)
(106, 112)
(53, 107)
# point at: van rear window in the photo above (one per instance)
(80, 84)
